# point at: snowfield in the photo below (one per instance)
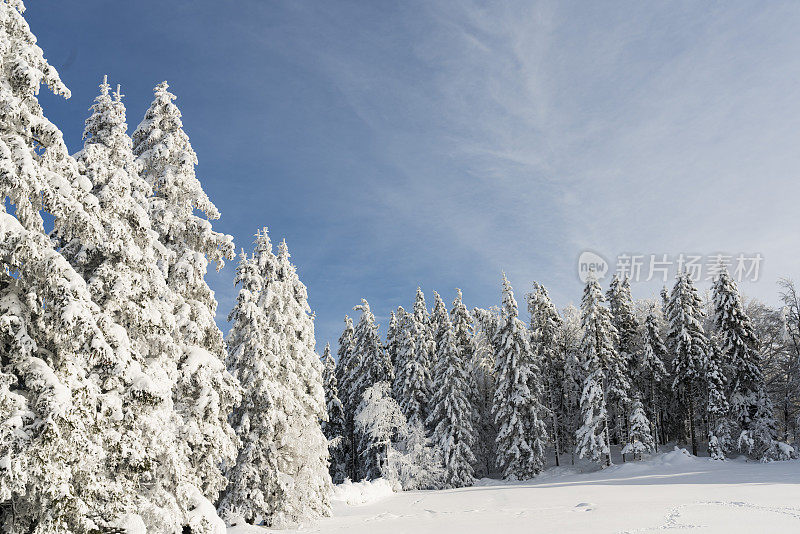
(672, 491)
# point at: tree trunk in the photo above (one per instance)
(608, 439)
(654, 408)
(786, 419)
(353, 467)
(627, 436)
(555, 428)
(692, 433)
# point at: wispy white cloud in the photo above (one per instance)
(513, 135)
(524, 132)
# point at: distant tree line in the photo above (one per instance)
(482, 393)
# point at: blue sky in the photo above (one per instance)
(439, 143)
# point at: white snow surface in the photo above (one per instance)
(670, 491)
(360, 493)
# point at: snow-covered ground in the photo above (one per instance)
(673, 491)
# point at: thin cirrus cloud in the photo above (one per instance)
(524, 133)
(439, 143)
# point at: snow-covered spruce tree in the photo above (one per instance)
(304, 451)
(486, 326)
(409, 387)
(740, 348)
(545, 330)
(598, 350)
(333, 428)
(650, 371)
(517, 409)
(253, 361)
(464, 331)
(640, 437)
(151, 456)
(379, 423)
(672, 423)
(687, 342)
(451, 409)
(425, 342)
(717, 407)
(56, 345)
(346, 373)
(374, 368)
(621, 369)
(205, 392)
(281, 475)
(569, 347)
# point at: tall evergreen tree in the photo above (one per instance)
(374, 368)
(740, 348)
(451, 410)
(687, 342)
(569, 347)
(65, 366)
(651, 372)
(425, 342)
(409, 387)
(672, 422)
(334, 427)
(517, 409)
(205, 392)
(483, 364)
(545, 330)
(621, 369)
(465, 333)
(598, 353)
(283, 449)
(304, 447)
(346, 368)
(717, 406)
(253, 361)
(123, 274)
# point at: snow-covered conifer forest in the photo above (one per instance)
(124, 407)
